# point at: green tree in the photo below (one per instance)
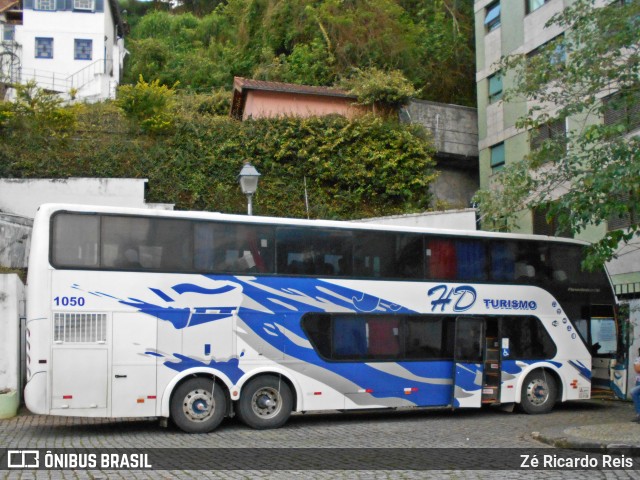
(40, 112)
(593, 174)
(147, 105)
(309, 42)
(385, 92)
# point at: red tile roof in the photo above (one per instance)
(7, 4)
(240, 84)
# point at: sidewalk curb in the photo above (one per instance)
(559, 439)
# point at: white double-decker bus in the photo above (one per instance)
(197, 316)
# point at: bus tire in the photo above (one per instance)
(198, 405)
(266, 402)
(539, 392)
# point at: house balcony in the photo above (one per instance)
(92, 82)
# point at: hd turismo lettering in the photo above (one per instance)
(463, 297)
(501, 304)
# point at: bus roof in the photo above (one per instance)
(49, 209)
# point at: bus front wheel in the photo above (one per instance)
(198, 405)
(266, 402)
(538, 392)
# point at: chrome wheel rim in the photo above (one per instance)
(198, 405)
(537, 392)
(266, 402)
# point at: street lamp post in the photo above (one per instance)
(248, 179)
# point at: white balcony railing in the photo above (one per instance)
(58, 82)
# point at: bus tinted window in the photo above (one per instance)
(370, 337)
(565, 262)
(428, 337)
(388, 255)
(471, 260)
(441, 259)
(146, 243)
(75, 240)
(527, 338)
(238, 248)
(313, 251)
(503, 261)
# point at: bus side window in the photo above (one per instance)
(503, 259)
(441, 259)
(75, 240)
(349, 337)
(471, 260)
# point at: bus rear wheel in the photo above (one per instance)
(538, 392)
(198, 405)
(266, 402)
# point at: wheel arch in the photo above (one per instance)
(549, 369)
(293, 386)
(220, 378)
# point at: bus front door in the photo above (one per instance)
(468, 362)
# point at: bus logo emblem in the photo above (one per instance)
(465, 297)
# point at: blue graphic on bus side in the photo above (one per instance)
(271, 311)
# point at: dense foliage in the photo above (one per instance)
(592, 174)
(304, 41)
(353, 168)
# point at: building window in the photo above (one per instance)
(547, 226)
(622, 109)
(555, 51)
(624, 220)
(83, 5)
(44, 47)
(492, 16)
(533, 5)
(495, 87)
(83, 49)
(497, 157)
(45, 5)
(8, 33)
(549, 131)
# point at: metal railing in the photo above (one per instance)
(53, 81)
(85, 75)
(58, 82)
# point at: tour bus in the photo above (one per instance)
(197, 316)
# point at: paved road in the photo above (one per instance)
(331, 436)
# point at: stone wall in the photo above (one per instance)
(15, 239)
(12, 300)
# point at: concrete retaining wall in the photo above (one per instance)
(464, 219)
(15, 240)
(12, 304)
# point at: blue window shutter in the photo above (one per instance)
(69, 5)
(60, 4)
(28, 4)
(99, 5)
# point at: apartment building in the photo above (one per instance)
(505, 27)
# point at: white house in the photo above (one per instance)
(74, 47)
